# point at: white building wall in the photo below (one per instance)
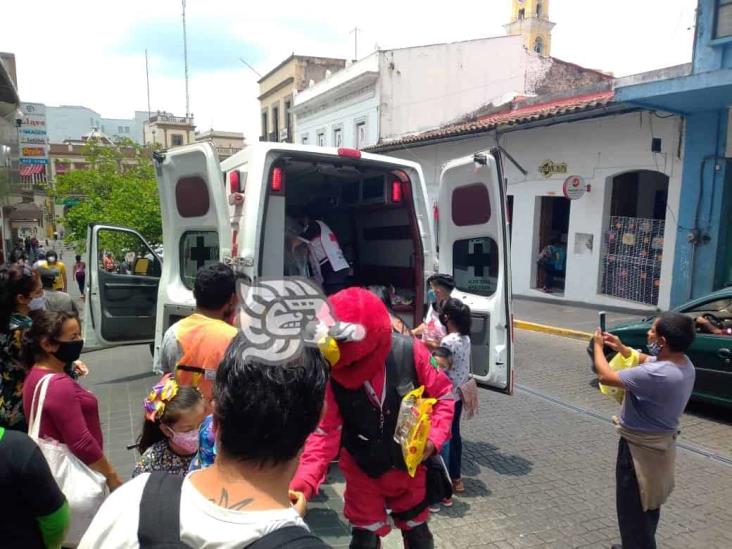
(426, 87)
(597, 150)
(363, 106)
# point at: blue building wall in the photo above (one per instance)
(702, 236)
(709, 53)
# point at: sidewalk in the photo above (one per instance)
(569, 320)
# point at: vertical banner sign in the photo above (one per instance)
(32, 135)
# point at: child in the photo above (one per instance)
(455, 316)
(169, 438)
(442, 357)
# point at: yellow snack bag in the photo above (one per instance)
(413, 427)
(619, 362)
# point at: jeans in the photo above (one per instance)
(452, 450)
(637, 527)
(549, 273)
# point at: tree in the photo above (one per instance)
(117, 187)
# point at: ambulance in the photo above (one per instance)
(377, 207)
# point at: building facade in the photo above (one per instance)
(393, 93)
(226, 143)
(71, 122)
(614, 225)
(702, 94)
(278, 87)
(168, 130)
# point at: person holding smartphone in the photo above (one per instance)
(656, 394)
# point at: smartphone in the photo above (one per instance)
(603, 322)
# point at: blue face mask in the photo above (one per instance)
(431, 296)
(654, 348)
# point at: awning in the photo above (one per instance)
(29, 170)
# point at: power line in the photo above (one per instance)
(255, 71)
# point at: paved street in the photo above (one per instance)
(539, 466)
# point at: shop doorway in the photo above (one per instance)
(633, 247)
(552, 248)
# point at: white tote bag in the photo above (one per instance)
(85, 489)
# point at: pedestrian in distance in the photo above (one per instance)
(56, 300)
(169, 438)
(80, 274)
(243, 499)
(52, 262)
(656, 394)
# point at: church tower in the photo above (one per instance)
(530, 18)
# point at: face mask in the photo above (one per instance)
(69, 351)
(51, 259)
(37, 303)
(431, 296)
(187, 442)
(654, 348)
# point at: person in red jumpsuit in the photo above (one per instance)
(361, 408)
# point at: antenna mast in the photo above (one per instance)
(185, 59)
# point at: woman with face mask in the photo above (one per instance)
(169, 439)
(21, 293)
(70, 412)
(431, 330)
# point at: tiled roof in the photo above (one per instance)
(518, 113)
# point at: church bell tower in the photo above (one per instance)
(530, 18)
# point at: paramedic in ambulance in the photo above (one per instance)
(334, 269)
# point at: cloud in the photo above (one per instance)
(212, 46)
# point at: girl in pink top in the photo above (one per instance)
(70, 412)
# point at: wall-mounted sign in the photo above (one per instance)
(32, 134)
(574, 187)
(549, 168)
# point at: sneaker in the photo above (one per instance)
(435, 508)
(457, 486)
(447, 502)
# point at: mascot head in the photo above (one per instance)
(360, 360)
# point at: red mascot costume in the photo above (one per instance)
(361, 408)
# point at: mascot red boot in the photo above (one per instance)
(362, 404)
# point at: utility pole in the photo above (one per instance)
(147, 78)
(355, 42)
(185, 60)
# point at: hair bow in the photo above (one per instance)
(161, 394)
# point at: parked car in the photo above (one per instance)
(710, 353)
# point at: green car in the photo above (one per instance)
(710, 353)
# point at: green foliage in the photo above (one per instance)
(117, 188)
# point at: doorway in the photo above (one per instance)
(552, 244)
(631, 263)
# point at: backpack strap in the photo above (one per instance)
(401, 361)
(159, 523)
(288, 537)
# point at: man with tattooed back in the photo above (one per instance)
(242, 500)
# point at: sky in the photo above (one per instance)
(92, 52)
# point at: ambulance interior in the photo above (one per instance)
(371, 211)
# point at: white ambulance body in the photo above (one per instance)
(377, 206)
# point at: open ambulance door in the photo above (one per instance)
(123, 275)
(195, 217)
(474, 248)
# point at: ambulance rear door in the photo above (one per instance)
(474, 248)
(194, 213)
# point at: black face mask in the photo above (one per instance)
(69, 351)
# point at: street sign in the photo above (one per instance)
(32, 135)
(574, 187)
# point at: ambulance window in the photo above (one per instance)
(191, 197)
(197, 249)
(475, 265)
(471, 205)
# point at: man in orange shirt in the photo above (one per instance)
(194, 346)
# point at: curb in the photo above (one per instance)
(553, 330)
